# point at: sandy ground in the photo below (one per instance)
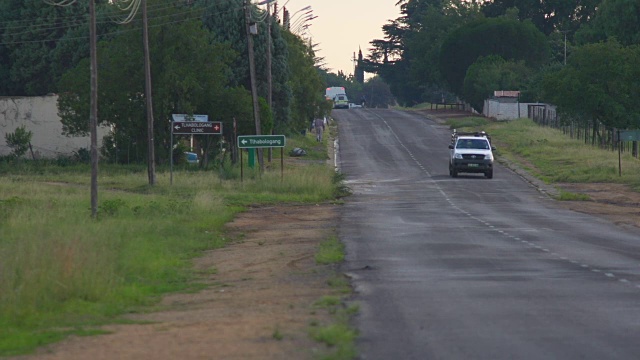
(262, 287)
(614, 202)
(259, 303)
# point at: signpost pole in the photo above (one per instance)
(252, 158)
(619, 155)
(171, 158)
(281, 164)
(241, 168)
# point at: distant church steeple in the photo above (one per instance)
(359, 72)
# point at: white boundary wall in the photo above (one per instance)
(505, 111)
(39, 114)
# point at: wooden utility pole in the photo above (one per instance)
(93, 102)
(151, 161)
(269, 77)
(93, 115)
(252, 75)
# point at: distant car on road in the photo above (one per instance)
(192, 158)
(352, 105)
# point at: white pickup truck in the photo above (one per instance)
(471, 153)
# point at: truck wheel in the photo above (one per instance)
(489, 174)
(454, 173)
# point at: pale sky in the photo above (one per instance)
(342, 26)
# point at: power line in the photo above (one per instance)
(61, 19)
(258, 16)
(107, 18)
(107, 34)
(63, 3)
(133, 7)
(82, 19)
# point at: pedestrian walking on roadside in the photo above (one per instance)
(318, 124)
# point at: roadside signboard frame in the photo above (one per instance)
(196, 128)
(625, 135)
(184, 124)
(187, 117)
(262, 141)
(629, 135)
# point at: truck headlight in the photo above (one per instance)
(488, 157)
(457, 156)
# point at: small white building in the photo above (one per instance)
(39, 114)
(506, 105)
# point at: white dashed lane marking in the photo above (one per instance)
(493, 227)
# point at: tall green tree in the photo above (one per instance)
(376, 93)
(548, 16)
(331, 79)
(38, 42)
(19, 141)
(408, 57)
(619, 19)
(492, 73)
(189, 73)
(226, 20)
(305, 82)
(508, 38)
(598, 85)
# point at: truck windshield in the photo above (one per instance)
(473, 144)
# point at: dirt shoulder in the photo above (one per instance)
(259, 302)
(614, 202)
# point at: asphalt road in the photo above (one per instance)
(472, 268)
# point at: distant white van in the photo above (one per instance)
(334, 91)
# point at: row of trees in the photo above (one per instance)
(580, 55)
(372, 93)
(199, 65)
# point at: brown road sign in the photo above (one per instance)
(197, 127)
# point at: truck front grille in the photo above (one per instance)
(473, 156)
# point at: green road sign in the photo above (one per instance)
(260, 141)
(630, 135)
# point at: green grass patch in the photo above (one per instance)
(569, 196)
(341, 190)
(315, 150)
(339, 337)
(331, 251)
(555, 158)
(64, 273)
(328, 302)
(340, 283)
(277, 335)
(467, 122)
(420, 106)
